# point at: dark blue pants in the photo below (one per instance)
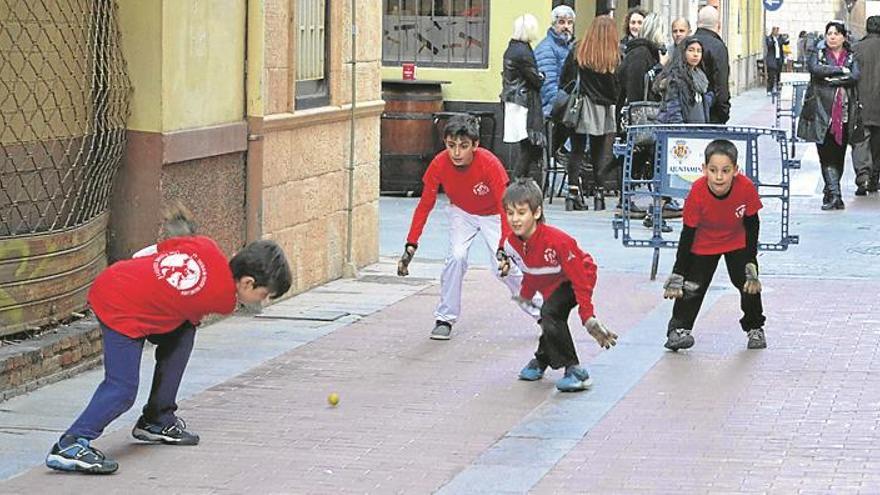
(122, 362)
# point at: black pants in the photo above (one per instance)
(772, 79)
(555, 347)
(601, 156)
(529, 163)
(832, 154)
(871, 167)
(685, 310)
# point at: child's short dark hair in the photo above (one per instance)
(460, 126)
(263, 260)
(722, 147)
(524, 190)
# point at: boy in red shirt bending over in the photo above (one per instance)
(161, 295)
(474, 181)
(555, 266)
(720, 219)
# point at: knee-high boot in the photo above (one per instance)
(833, 199)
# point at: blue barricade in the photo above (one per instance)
(678, 158)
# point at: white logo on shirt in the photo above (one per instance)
(481, 189)
(740, 211)
(551, 257)
(182, 271)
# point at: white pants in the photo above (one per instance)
(463, 229)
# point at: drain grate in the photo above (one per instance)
(312, 315)
(866, 250)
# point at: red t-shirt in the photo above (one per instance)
(188, 278)
(719, 221)
(477, 189)
(548, 259)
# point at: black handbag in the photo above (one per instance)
(567, 106)
(641, 113)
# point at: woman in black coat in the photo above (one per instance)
(594, 60)
(685, 86)
(521, 96)
(829, 116)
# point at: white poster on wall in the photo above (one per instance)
(685, 157)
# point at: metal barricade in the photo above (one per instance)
(791, 108)
(678, 157)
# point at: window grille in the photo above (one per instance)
(436, 33)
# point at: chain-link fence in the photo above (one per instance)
(64, 96)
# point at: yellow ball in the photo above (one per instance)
(333, 399)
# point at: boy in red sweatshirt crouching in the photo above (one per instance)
(554, 265)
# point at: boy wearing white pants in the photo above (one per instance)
(474, 181)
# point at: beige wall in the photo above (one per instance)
(305, 154)
(480, 85)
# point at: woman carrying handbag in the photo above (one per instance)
(520, 93)
(594, 61)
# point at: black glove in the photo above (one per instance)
(409, 250)
(503, 262)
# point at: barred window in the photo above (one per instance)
(436, 33)
(311, 53)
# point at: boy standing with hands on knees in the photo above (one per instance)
(554, 265)
(720, 219)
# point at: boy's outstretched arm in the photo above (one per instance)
(580, 268)
(431, 182)
(752, 284)
(676, 285)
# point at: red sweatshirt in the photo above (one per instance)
(186, 279)
(477, 189)
(548, 259)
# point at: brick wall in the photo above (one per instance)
(69, 350)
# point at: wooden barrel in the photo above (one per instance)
(408, 141)
(45, 277)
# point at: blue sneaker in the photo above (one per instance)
(533, 371)
(80, 456)
(576, 379)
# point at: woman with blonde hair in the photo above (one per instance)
(593, 61)
(521, 94)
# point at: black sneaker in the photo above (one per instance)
(175, 434)
(80, 456)
(649, 223)
(679, 338)
(757, 339)
(862, 186)
(442, 330)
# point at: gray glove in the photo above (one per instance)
(752, 284)
(409, 250)
(677, 287)
(503, 262)
(606, 338)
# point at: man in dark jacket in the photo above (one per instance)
(716, 61)
(867, 55)
(774, 58)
